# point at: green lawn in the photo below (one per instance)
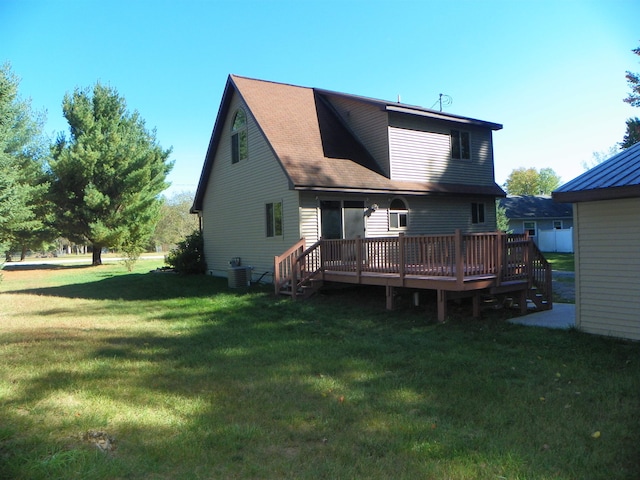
(183, 378)
(561, 261)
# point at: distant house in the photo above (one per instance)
(606, 202)
(547, 222)
(287, 162)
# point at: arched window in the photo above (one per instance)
(239, 142)
(398, 214)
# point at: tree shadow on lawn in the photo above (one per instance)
(133, 287)
(269, 385)
(260, 387)
(16, 267)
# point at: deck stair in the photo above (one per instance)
(472, 265)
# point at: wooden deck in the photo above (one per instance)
(454, 265)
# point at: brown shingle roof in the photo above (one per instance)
(314, 147)
(304, 136)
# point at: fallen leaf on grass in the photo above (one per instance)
(595, 434)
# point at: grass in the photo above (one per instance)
(191, 380)
(561, 261)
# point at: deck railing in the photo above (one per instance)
(286, 266)
(541, 275)
(507, 257)
(296, 266)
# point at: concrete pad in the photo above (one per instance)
(563, 315)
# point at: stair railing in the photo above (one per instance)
(297, 266)
(541, 275)
(285, 264)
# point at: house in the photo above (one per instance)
(547, 222)
(606, 206)
(287, 162)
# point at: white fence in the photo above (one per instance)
(556, 240)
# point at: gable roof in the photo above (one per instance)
(315, 148)
(531, 207)
(618, 177)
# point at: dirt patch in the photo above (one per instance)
(101, 440)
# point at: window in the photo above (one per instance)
(274, 219)
(239, 142)
(530, 228)
(557, 224)
(477, 213)
(460, 145)
(398, 215)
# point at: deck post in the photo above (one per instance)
(459, 259)
(401, 260)
(276, 273)
(523, 302)
(499, 258)
(294, 279)
(528, 261)
(476, 305)
(442, 305)
(389, 292)
(358, 257)
(549, 284)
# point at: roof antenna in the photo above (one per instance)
(399, 99)
(443, 99)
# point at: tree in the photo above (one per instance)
(549, 181)
(25, 214)
(502, 221)
(599, 157)
(632, 136)
(633, 79)
(175, 221)
(529, 181)
(107, 176)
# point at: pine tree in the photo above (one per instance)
(25, 214)
(108, 175)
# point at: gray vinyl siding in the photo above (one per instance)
(233, 217)
(443, 215)
(369, 124)
(431, 215)
(607, 241)
(420, 151)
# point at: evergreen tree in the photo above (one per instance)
(108, 175)
(633, 79)
(25, 214)
(632, 136)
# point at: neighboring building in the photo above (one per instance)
(547, 222)
(288, 162)
(607, 244)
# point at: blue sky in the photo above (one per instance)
(552, 72)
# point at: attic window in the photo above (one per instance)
(398, 215)
(239, 141)
(460, 145)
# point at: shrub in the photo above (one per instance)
(188, 256)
